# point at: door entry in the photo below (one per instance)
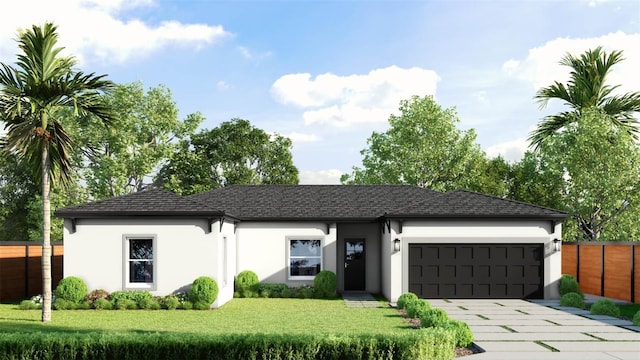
(354, 270)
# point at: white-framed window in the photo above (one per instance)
(305, 258)
(139, 262)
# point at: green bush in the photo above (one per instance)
(28, 305)
(72, 289)
(605, 307)
(170, 302)
(433, 317)
(64, 304)
(424, 344)
(572, 299)
(306, 292)
(186, 305)
(271, 290)
(325, 284)
(464, 335)
(568, 284)
(125, 304)
(97, 294)
(137, 296)
(204, 290)
(245, 280)
(416, 307)
(636, 319)
(102, 304)
(404, 298)
(149, 304)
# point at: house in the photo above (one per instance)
(386, 239)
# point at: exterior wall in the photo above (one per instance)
(476, 231)
(262, 247)
(226, 261)
(184, 250)
(370, 232)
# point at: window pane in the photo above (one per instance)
(140, 249)
(141, 271)
(305, 248)
(304, 266)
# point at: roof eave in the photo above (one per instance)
(121, 214)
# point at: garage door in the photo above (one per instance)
(476, 270)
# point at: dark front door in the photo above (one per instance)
(354, 265)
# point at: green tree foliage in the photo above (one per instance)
(423, 147)
(17, 189)
(32, 95)
(233, 153)
(587, 88)
(529, 182)
(121, 159)
(597, 164)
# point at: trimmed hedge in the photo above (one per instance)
(203, 292)
(605, 307)
(245, 281)
(423, 344)
(405, 298)
(636, 319)
(325, 284)
(572, 299)
(568, 284)
(72, 289)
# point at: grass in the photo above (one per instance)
(239, 316)
(627, 311)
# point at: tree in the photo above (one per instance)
(32, 94)
(532, 180)
(17, 188)
(121, 159)
(597, 164)
(422, 147)
(233, 153)
(587, 88)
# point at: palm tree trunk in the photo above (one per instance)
(46, 235)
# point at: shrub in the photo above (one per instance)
(636, 319)
(187, 305)
(271, 290)
(404, 298)
(572, 299)
(97, 294)
(28, 305)
(72, 289)
(416, 307)
(102, 304)
(434, 318)
(170, 302)
(137, 296)
(568, 284)
(201, 305)
(125, 304)
(306, 292)
(464, 335)
(149, 304)
(204, 290)
(64, 304)
(605, 307)
(325, 284)
(245, 280)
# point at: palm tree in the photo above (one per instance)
(586, 88)
(32, 96)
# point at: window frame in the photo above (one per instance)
(126, 260)
(289, 239)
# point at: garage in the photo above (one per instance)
(479, 271)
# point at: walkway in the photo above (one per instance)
(518, 329)
(360, 300)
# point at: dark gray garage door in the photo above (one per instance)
(476, 270)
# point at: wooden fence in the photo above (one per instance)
(21, 269)
(610, 269)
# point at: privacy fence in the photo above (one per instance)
(21, 269)
(610, 269)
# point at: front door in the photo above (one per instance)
(354, 265)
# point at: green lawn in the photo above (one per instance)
(237, 316)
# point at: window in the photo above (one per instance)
(305, 258)
(139, 262)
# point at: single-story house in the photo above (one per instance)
(386, 239)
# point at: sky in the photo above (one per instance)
(327, 74)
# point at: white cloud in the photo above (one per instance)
(353, 99)
(245, 52)
(92, 30)
(222, 85)
(511, 151)
(302, 138)
(321, 177)
(541, 68)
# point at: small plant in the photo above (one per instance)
(187, 305)
(102, 304)
(204, 290)
(325, 284)
(415, 308)
(434, 318)
(72, 289)
(605, 307)
(137, 296)
(636, 319)
(97, 294)
(64, 304)
(404, 298)
(306, 291)
(572, 299)
(201, 305)
(170, 302)
(464, 335)
(568, 284)
(28, 305)
(149, 304)
(125, 304)
(245, 281)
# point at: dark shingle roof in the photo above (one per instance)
(314, 202)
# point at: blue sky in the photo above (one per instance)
(329, 73)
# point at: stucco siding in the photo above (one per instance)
(263, 248)
(183, 251)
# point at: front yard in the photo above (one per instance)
(240, 316)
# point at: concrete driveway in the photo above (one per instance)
(519, 329)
